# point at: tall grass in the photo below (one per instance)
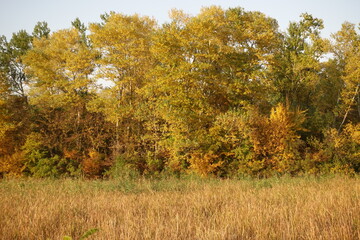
(285, 208)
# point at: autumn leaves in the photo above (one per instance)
(224, 93)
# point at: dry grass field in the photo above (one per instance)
(284, 208)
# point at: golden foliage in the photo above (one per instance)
(12, 165)
(204, 93)
(60, 68)
(204, 163)
(275, 139)
(92, 164)
(339, 152)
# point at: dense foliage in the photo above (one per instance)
(223, 93)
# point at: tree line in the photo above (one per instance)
(223, 93)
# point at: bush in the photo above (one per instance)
(123, 169)
(40, 163)
(256, 144)
(12, 165)
(338, 152)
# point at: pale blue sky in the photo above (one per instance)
(24, 14)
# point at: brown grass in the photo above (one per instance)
(183, 209)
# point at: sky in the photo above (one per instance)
(16, 15)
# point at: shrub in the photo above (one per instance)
(12, 165)
(92, 165)
(259, 145)
(123, 169)
(40, 163)
(204, 163)
(338, 152)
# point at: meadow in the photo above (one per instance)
(185, 208)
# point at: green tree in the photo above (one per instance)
(41, 30)
(12, 67)
(14, 109)
(298, 64)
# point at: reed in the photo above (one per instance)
(285, 208)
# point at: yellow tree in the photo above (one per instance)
(347, 54)
(123, 45)
(208, 64)
(255, 41)
(184, 91)
(60, 69)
